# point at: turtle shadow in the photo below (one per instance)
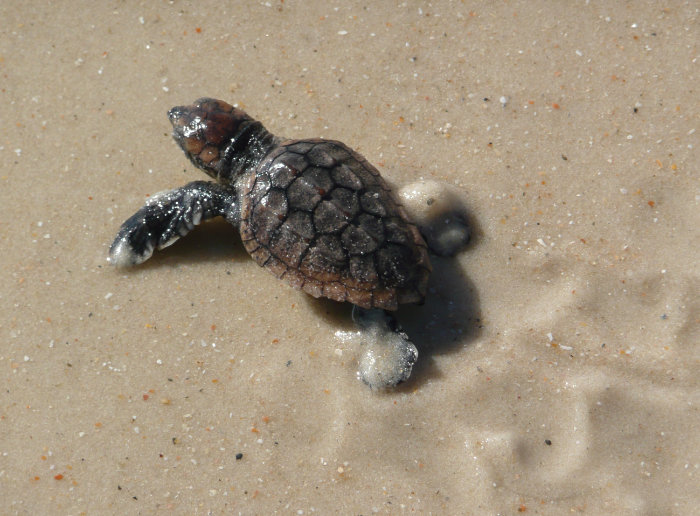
(214, 241)
(449, 321)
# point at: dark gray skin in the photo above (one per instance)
(313, 212)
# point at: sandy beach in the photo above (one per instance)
(558, 353)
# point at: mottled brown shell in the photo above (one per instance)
(317, 214)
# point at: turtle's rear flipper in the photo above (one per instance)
(168, 216)
(389, 355)
(439, 212)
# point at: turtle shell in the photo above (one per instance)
(317, 214)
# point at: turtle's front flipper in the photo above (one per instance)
(169, 215)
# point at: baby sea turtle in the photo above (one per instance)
(313, 212)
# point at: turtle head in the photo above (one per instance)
(206, 131)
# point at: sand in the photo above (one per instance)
(558, 368)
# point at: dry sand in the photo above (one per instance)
(559, 352)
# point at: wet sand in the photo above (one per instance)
(558, 353)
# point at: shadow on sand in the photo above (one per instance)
(214, 241)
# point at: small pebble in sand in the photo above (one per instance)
(437, 210)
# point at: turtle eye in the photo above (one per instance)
(195, 129)
(190, 136)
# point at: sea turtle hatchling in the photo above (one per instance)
(313, 212)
